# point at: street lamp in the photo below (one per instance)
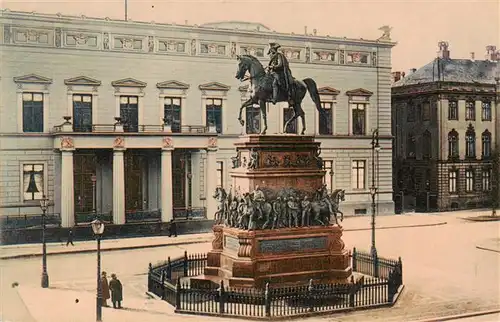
(94, 195)
(374, 189)
(44, 204)
(98, 228)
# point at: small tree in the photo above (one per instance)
(495, 180)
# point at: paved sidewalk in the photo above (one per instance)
(349, 224)
(492, 245)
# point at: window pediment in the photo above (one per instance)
(33, 79)
(172, 84)
(359, 92)
(82, 80)
(328, 91)
(214, 86)
(128, 82)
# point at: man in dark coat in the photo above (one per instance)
(116, 291)
(104, 289)
(173, 228)
(280, 70)
(70, 237)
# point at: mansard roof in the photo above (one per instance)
(452, 70)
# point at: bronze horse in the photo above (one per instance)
(320, 212)
(262, 91)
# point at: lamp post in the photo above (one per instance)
(374, 189)
(94, 195)
(98, 229)
(44, 204)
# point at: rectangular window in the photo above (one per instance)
(325, 125)
(32, 112)
(220, 174)
(172, 113)
(452, 181)
(328, 178)
(486, 111)
(469, 180)
(426, 111)
(358, 174)
(33, 181)
(486, 179)
(453, 110)
(214, 113)
(253, 119)
(470, 111)
(82, 113)
(288, 113)
(359, 119)
(129, 113)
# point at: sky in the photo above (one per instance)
(468, 25)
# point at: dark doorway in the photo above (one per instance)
(84, 166)
(135, 163)
(179, 170)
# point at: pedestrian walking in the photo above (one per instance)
(70, 238)
(104, 289)
(116, 289)
(172, 228)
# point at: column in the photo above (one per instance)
(211, 182)
(67, 190)
(166, 185)
(118, 187)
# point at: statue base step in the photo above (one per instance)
(280, 256)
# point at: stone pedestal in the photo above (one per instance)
(279, 256)
(283, 244)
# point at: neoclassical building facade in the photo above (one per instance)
(445, 124)
(137, 119)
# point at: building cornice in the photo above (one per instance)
(6, 14)
(443, 88)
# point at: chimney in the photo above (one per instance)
(185, 22)
(443, 52)
(396, 76)
(491, 53)
(403, 74)
(412, 70)
(315, 32)
(472, 56)
(305, 30)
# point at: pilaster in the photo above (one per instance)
(67, 186)
(118, 182)
(211, 181)
(166, 180)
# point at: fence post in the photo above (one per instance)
(375, 264)
(222, 298)
(178, 294)
(354, 261)
(163, 284)
(400, 264)
(267, 301)
(310, 295)
(169, 269)
(352, 289)
(150, 271)
(185, 263)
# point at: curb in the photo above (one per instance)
(461, 316)
(488, 249)
(31, 255)
(394, 227)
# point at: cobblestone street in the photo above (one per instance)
(444, 274)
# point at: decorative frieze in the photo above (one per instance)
(128, 43)
(216, 49)
(178, 46)
(254, 50)
(292, 53)
(6, 34)
(327, 56)
(33, 36)
(79, 39)
(358, 57)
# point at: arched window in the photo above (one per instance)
(470, 142)
(486, 144)
(486, 111)
(426, 144)
(411, 146)
(453, 144)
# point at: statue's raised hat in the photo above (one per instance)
(273, 45)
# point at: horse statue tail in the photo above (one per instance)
(312, 88)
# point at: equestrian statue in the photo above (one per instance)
(275, 83)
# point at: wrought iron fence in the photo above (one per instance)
(206, 297)
(143, 216)
(376, 266)
(82, 218)
(11, 222)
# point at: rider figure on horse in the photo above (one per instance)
(323, 196)
(280, 70)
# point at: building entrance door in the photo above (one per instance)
(135, 163)
(179, 167)
(84, 166)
